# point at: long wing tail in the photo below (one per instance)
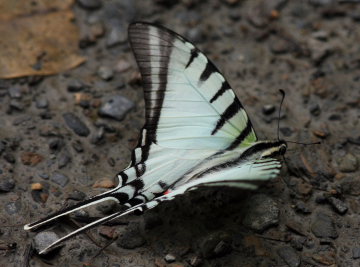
(140, 207)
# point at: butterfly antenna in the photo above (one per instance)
(305, 144)
(282, 100)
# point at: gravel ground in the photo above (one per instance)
(65, 136)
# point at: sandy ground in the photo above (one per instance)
(309, 216)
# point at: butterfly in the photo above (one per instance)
(196, 133)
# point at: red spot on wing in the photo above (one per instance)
(167, 192)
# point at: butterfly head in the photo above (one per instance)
(274, 149)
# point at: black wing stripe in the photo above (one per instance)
(194, 54)
(227, 115)
(224, 87)
(241, 137)
(209, 69)
(123, 176)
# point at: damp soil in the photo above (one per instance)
(58, 139)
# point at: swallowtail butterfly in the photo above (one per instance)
(196, 131)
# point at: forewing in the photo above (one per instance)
(189, 104)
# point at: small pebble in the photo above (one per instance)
(98, 136)
(195, 35)
(338, 205)
(169, 258)
(289, 255)
(122, 65)
(356, 253)
(60, 179)
(77, 145)
(323, 226)
(41, 103)
(77, 195)
(105, 73)
(6, 184)
(75, 86)
(216, 245)
(36, 186)
(15, 92)
(9, 158)
(2, 147)
(63, 160)
(56, 143)
(348, 163)
(286, 131)
(108, 232)
(13, 207)
(196, 261)
(107, 207)
(131, 239)
(268, 109)
(302, 207)
(75, 124)
(104, 183)
(44, 176)
(116, 107)
(115, 37)
(262, 213)
(17, 105)
(30, 158)
(315, 110)
(44, 239)
(89, 4)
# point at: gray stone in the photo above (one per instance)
(268, 109)
(262, 213)
(315, 109)
(356, 253)
(216, 245)
(75, 124)
(41, 102)
(321, 2)
(17, 105)
(13, 207)
(116, 107)
(302, 207)
(15, 92)
(131, 238)
(351, 186)
(195, 35)
(89, 4)
(107, 207)
(289, 255)
(45, 176)
(323, 226)
(339, 206)
(7, 184)
(115, 37)
(77, 195)
(60, 179)
(63, 160)
(2, 147)
(169, 258)
(75, 86)
(77, 145)
(349, 163)
(43, 239)
(105, 73)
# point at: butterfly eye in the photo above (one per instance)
(282, 150)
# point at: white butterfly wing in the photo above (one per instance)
(189, 104)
